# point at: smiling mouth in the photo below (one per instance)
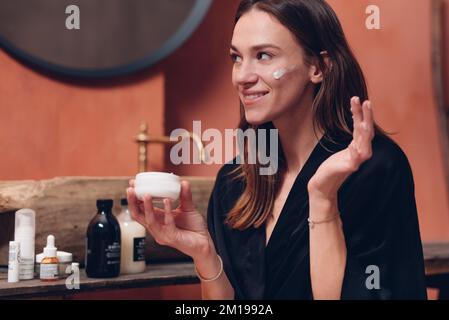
(253, 98)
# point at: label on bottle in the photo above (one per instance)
(14, 251)
(139, 249)
(113, 253)
(13, 262)
(49, 271)
(26, 268)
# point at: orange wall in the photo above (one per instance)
(397, 64)
(446, 49)
(50, 127)
(53, 128)
(198, 81)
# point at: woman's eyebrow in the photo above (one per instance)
(258, 47)
(265, 46)
(234, 48)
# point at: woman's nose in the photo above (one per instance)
(245, 74)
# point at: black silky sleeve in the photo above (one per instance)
(216, 227)
(211, 209)
(215, 211)
(380, 222)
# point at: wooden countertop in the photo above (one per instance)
(436, 256)
(155, 275)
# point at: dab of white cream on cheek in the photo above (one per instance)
(278, 74)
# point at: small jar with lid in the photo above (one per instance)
(159, 185)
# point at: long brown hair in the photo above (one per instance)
(317, 28)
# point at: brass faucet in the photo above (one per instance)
(143, 139)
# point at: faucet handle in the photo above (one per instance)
(143, 139)
(143, 135)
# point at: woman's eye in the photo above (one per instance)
(235, 58)
(263, 56)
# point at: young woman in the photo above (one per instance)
(338, 219)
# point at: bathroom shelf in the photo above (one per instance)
(436, 256)
(162, 274)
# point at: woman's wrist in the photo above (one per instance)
(207, 262)
(322, 208)
(208, 266)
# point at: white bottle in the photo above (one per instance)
(13, 261)
(25, 226)
(50, 264)
(133, 242)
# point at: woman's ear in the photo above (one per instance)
(316, 72)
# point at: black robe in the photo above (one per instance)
(380, 223)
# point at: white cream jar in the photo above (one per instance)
(159, 185)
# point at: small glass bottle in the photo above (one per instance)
(103, 243)
(50, 263)
(133, 242)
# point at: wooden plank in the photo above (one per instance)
(436, 257)
(436, 250)
(154, 275)
(64, 207)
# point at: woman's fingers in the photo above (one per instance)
(357, 116)
(356, 110)
(363, 134)
(363, 117)
(150, 218)
(134, 207)
(186, 197)
(132, 183)
(368, 117)
(367, 129)
(362, 114)
(169, 218)
(367, 112)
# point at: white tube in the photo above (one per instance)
(25, 233)
(13, 261)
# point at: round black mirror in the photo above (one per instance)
(97, 38)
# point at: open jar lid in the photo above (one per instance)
(158, 185)
(157, 176)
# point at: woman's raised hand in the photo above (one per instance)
(333, 172)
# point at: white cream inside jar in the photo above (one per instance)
(158, 185)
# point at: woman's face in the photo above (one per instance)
(262, 49)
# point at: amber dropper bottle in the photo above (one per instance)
(49, 264)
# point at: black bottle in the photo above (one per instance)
(103, 243)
